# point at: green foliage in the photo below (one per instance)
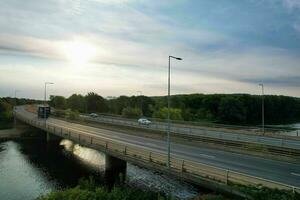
(60, 113)
(175, 113)
(264, 193)
(6, 110)
(95, 103)
(6, 114)
(58, 102)
(222, 108)
(231, 110)
(87, 190)
(73, 115)
(77, 102)
(131, 112)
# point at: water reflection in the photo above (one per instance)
(136, 176)
(87, 156)
(29, 168)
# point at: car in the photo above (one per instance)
(94, 115)
(144, 121)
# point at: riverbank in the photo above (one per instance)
(87, 189)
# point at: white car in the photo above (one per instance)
(94, 115)
(144, 121)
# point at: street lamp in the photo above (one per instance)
(45, 99)
(139, 93)
(262, 108)
(15, 119)
(169, 125)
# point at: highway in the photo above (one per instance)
(291, 142)
(279, 171)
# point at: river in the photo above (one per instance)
(30, 168)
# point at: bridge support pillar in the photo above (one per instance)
(51, 137)
(115, 170)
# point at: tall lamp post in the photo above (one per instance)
(262, 108)
(45, 99)
(15, 107)
(139, 93)
(169, 125)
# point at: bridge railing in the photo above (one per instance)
(282, 140)
(190, 132)
(178, 165)
(192, 126)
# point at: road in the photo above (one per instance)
(279, 171)
(194, 131)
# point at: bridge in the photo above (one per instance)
(208, 167)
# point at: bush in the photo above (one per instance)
(131, 112)
(60, 113)
(264, 193)
(175, 113)
(73, 115)
(87, 190)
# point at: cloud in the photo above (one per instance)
(133, 48)
(291, 4)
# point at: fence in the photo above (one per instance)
(178, 165)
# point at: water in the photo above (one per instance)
(30, 168)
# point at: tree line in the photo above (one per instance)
(6, 109)
(220, 108)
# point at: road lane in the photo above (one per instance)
(260, 167)
(194, 131)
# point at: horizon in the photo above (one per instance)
(119, 47)
(114, 97)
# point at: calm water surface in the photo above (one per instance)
(30, 168)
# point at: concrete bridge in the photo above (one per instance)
(210, 168)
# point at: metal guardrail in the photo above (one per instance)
(283, 142)
(253, 129)
(178, 165)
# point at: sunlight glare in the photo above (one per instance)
(79, 52)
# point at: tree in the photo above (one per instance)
(95, 103)
(58, 102)
(77, 102)
(175, 113)
(232, 110)
(131, 112)
(5, 111)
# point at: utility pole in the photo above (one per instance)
(15, 110)
(169, 123)
(45, 99)
(139, 93)
(262, 108)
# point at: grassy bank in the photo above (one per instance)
(88, 190)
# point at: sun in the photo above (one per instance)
(79, 52)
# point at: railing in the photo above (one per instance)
(282, 141)
(279, 140)
(178, 165)
(212, 126)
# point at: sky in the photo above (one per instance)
(119, 47)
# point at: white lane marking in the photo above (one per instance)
(150, 144)
(207, 156)
(295, 174)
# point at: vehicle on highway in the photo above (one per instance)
(94, 115)
(43, 111)
(144, 121)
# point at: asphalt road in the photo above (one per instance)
(279, 171)
(194, 131)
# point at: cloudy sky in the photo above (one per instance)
(118, 47)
